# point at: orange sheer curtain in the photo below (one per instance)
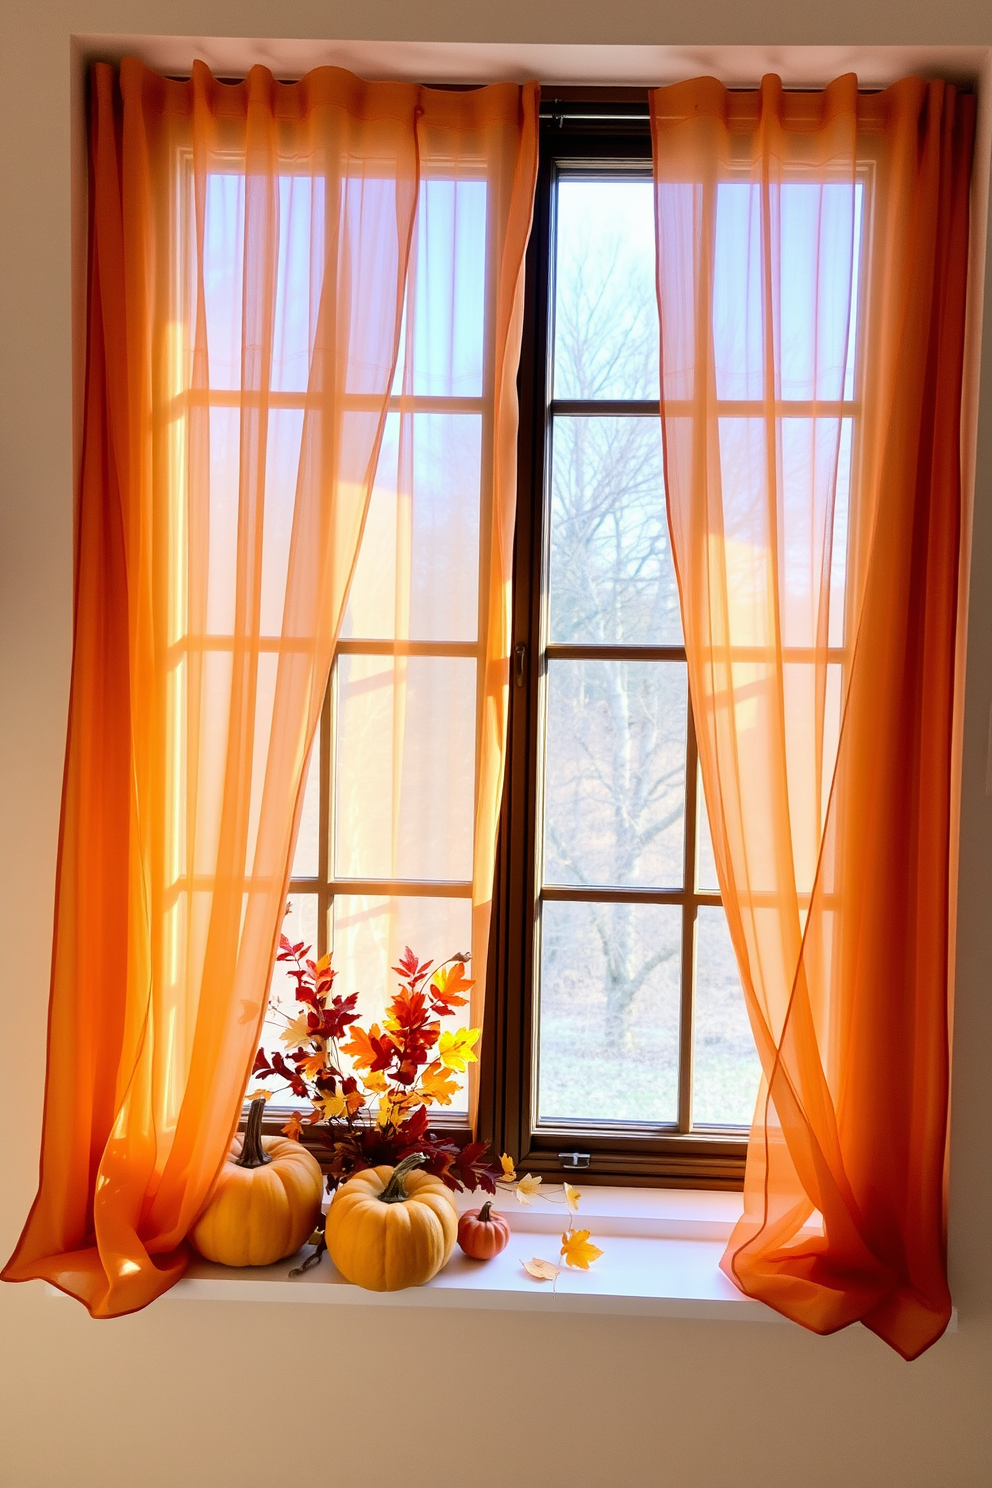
(423, 668)
(813, 485)
(249, 253)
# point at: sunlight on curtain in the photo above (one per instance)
(811, 265)
(419, 685)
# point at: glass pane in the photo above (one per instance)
(306, 860)
(606, 310)
(726, 1069)
(615, 773)
(299, 924)
(223, 273)
(448, 276)
(424, 511)
(612, 577)
(817, 231)
(369, 935)
(609, 1012)
(405, 776)
(706, 878)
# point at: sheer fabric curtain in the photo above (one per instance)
(249, 255)
(423, 667)
(812, 259)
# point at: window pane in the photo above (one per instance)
(405, 776)
(615, 773)
(606, 311)
(726, 1069)
(425, 512)
(306, 859)
(369, 935)
(448, 272)
(609, 1012)
(816, 228)
(706, 878)
(612, 577)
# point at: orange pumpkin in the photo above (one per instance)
(389, 1228)
(265, 1202)
(482, 1233)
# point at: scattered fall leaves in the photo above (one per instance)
(542, 1270)
(527, 1188)
(578, 1250)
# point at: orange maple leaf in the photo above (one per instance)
(359, 1048)
(449, 984)
(578, 1250)
(293, 1127)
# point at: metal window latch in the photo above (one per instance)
(573, 1160)
(520, 658)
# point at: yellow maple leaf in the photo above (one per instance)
(578, 1250)
(456, 1050)
(572, 1197)
(375, 1081)
(330, 1106)
(296, 1033)
(394, 1107)
(437, 1085)
(311, 1067)
(541, 1270)
(527, 1188)
(259, 1095)
(293, 1127)
(509, 1171)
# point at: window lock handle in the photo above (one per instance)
(519, 662)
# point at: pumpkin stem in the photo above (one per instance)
(253, 1154)
(395, 1190)
(484, 1212)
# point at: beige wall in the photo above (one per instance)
(187, 1394)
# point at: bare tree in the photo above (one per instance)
(616, 782)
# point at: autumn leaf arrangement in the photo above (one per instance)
(370, 1090)
(577, 1250)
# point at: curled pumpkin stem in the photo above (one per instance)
(395, 1190)
(485, 1212)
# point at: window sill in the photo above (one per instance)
(662, 1250)
(661, 1259)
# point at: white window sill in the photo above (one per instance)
(661, 1255)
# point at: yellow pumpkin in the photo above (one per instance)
(389, 1228)
(265, 1202)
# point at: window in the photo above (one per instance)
(616, 1036)
(627, 1049)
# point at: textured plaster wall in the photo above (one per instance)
(225, 1394)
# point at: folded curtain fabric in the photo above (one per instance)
(224, 489)
(812, 263)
